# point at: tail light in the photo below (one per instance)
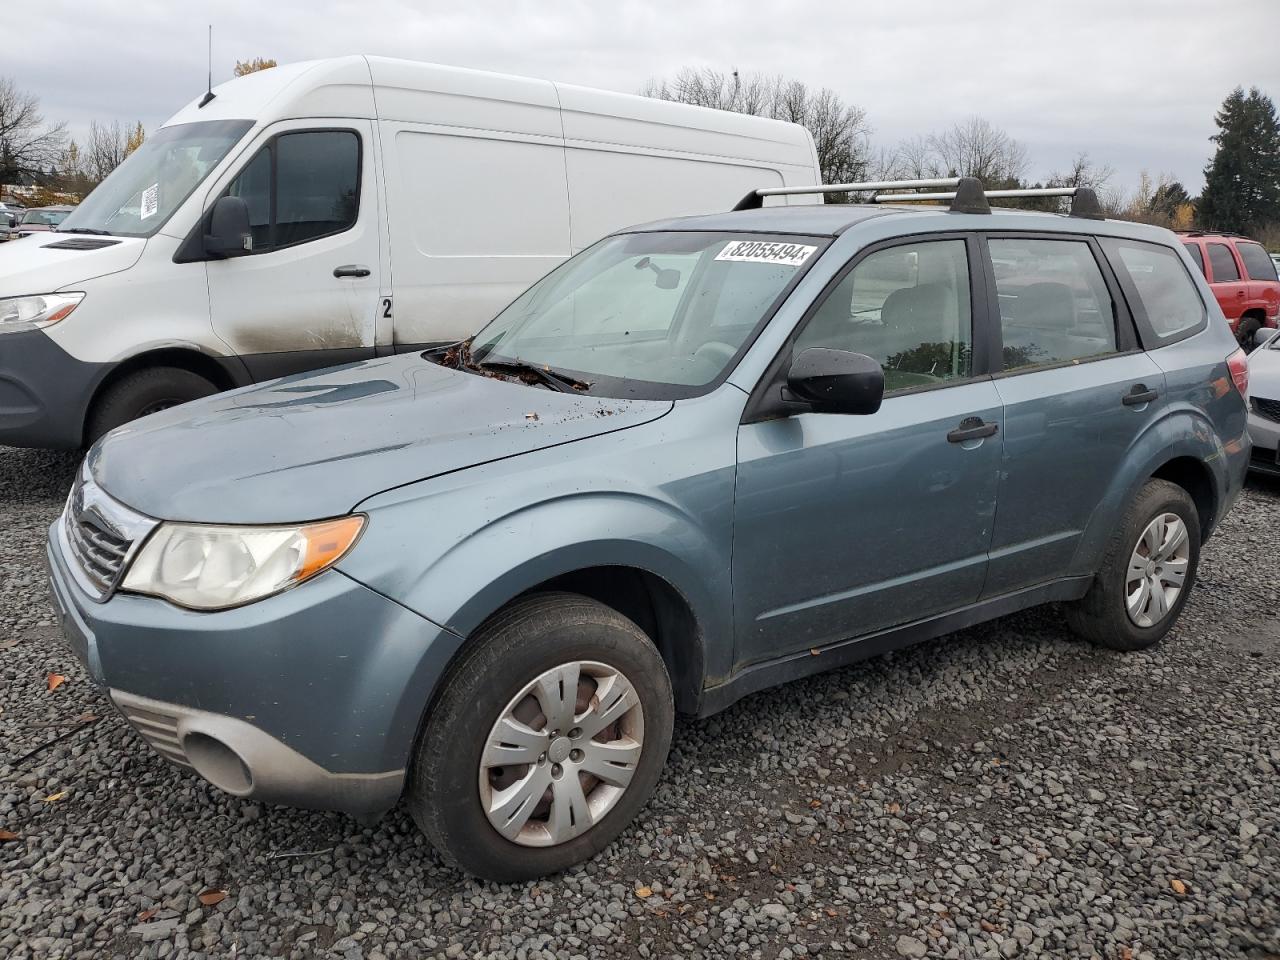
(1238, 364)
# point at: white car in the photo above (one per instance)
(1264, 403)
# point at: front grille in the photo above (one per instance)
(158, 729)
(1267, 408)
(100, 553)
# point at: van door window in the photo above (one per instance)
(1223, 263)
(908, 308)
(1054, 303)
(300, 187)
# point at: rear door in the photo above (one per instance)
(1229, 285)
(1077, 390)
(845, 525)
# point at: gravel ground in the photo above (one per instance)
(1001, 792)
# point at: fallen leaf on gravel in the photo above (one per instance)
(814, 804)
(644, 892)
(55, 797)
(7, 835)
(146, 915)
(56, 680)
(990, 927)
(893, 807)
(211, 898)
(1126, 953)
(86, 718)
(1178, 887)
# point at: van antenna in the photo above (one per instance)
(209, 94)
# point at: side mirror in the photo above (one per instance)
(836, 381)
(1264, 336)
(229, 232)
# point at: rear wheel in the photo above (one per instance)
(549, 736)
(1247, 329)
(144, 392)
(1146, 574)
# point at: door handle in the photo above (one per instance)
(1139, 395)
(971, 428)
(351, 270)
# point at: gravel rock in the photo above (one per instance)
(1061, 791)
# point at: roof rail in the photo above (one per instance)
(755, 199)
(970, 197)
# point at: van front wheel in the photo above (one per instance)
(141, 393)
(550, 734)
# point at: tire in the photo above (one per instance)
(448, 787)
(143, 392)
(1246, 330)
(1103, 616)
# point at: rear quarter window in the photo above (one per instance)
(1256, 261)
(1167, 301)
(1197, 255)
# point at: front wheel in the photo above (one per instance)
(549, 736)
(141, 393)
(1146, 574)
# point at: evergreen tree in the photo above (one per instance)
(1242, 183)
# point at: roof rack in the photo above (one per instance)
(969, 195)
(755, 199)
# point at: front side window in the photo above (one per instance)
(1054, 303)
(301, 186)
(1197, 255)
(1223, 263)
(143, 192)
(1257, 263)
(1165, 290)
(649, 315)
(907, 307)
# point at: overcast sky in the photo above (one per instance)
(1133, 82)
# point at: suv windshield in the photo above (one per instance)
(649, 315)
(141, 194)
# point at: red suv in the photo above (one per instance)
(1243, 278)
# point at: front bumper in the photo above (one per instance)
(1265, 434)
(311, 698)
(44, 392)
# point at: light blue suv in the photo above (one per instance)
(700, 458)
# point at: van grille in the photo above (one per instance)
(1267, 408)
(158, 729)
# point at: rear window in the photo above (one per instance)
(1223, 263)
(1256, 261)
(1165, 292)
(1197, 255)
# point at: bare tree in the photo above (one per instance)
(108, 146)
(1083, 172)
(840, 130)
(977, 148)
(27, 144)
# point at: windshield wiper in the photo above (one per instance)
(96, 233)
(552, 378)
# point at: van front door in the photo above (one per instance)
(308, 294)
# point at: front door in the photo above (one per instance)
(307, 296)
(845, 525)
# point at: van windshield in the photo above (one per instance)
(649, 315)
(142, 193)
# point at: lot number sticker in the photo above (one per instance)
(758, 251)
(150, 201)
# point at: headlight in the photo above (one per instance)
(212, 568)
(34, 312)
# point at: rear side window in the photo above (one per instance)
(1222, 262)
(1197, 255)
(301, 186)
(1165, 292)
(1256, 262)
(1054, 303)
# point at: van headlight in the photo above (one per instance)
(34, 312)
(207, 567)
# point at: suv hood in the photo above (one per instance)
(314, 445)
(27, 266)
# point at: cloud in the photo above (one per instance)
(1134, 83)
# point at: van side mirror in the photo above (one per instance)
(229, 232)
(836, 381)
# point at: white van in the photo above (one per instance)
(336, 210)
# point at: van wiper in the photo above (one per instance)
(544, 374)
(96, 233)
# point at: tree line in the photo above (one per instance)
(1242, 180)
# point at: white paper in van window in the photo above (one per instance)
(150, 201)
(766, 251)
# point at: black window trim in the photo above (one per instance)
(764, 405)
(192, 247)
(1147, 332)
(1127, 342)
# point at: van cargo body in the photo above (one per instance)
(385, 205)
